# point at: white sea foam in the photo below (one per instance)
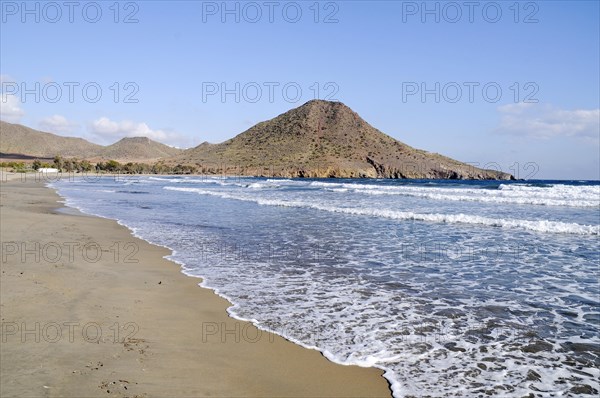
(558, 195)
(532, 225)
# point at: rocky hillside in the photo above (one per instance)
(325, 139)
(16, 139)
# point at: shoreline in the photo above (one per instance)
(93, 175)
(70, 209)
(185, 342)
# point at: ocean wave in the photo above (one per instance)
(560, 195)
(531, 225)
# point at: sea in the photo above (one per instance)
(452, 288)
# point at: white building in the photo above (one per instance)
(47, 170)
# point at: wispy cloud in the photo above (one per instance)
(58, 124)
(10, 108)
(110, 131)
(546, 122)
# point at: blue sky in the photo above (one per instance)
(510, 85)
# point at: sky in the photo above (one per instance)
(507, 85)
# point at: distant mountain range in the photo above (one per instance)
(16, 139)
(317, 139)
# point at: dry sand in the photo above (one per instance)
(75, 325)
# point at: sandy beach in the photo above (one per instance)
(89, 310)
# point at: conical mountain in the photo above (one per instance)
(325, 139)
